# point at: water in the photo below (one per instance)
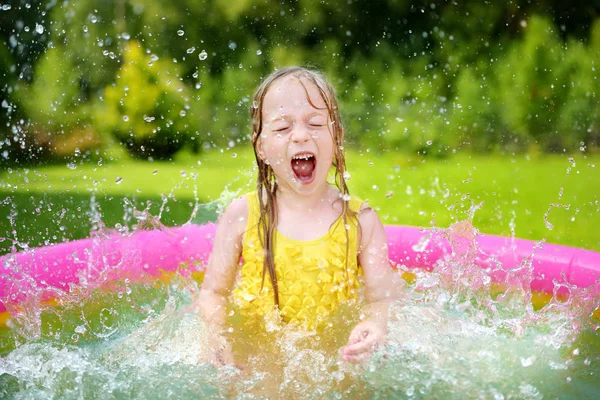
(455, 334)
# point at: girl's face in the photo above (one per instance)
(296, 140)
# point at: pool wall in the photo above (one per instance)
(41, 274)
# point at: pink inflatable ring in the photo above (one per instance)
(42, 273)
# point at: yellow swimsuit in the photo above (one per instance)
(312, 275)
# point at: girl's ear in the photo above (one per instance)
(259, 148)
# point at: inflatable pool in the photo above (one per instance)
(44, 273)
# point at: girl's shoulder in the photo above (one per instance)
(252, 202)
(238, 206)
(369, 222)
(236, 212)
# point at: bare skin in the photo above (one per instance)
(306, 211)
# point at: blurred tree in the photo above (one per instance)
(59, 116)
(533, 86)
(589, 86)
(474, 115)
(148, 107)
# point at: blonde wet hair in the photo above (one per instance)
(266, 182)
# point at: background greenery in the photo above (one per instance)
(445, 104)
(432, 77)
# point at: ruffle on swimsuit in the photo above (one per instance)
(312, 275)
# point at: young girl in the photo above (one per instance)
(304, 242)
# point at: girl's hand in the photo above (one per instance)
(221, 354)
(365, 339)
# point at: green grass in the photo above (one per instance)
(515, 193)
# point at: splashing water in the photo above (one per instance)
(457, 332)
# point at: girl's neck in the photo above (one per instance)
(288, 199)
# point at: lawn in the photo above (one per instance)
(556, 198)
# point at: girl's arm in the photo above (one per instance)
(220, 273)
(382, 286)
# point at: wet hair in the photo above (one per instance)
(266, 182)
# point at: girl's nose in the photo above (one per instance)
(300, 134)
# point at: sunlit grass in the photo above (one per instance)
(515, 193)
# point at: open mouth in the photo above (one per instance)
(304, 165)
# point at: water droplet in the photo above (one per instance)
(71, 166)
(234, 155)
(39, 28)
(93, 19)
(183, 173)
(182, 113)
(125, 118)
(118, 180)
(375, 187)
(347, 175)
(155, 172)
(389, 194)
(198, 85)
(203, 55)
(180, 33)
(125, 36)
(346, 197)
(429, 142)
(258, 52)
(528, 362)
(232, 45)
(190, 50)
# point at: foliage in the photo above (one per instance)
(58, 124)
(231, 99)
(425, 77)
(474, 115)
(148, 107)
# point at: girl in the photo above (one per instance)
(303, 241)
